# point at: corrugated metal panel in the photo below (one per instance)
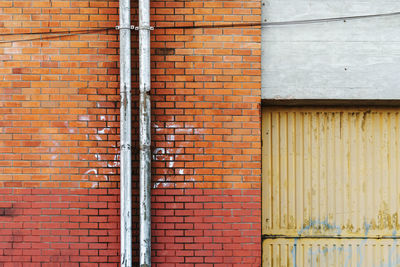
(330, 172)
(331, 253)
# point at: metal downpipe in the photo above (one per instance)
(125, 132)
(145, 134)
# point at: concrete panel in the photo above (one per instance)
(352, 59)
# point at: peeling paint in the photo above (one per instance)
(161, 185)
(170, 164)
(91, 171)
(113, 164)
(55, 143)
(159, 151)
(103, 130)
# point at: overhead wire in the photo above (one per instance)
(345, 18)
(50, 31)
(284, 23)
(60, 33)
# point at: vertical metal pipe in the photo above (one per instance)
(145, 135)
(125, 132)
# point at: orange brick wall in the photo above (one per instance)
(59, 120)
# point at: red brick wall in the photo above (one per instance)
(206, 94)
(59, 106)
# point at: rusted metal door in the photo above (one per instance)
(331, 180)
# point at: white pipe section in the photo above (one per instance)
(125, 133)
(145, 135)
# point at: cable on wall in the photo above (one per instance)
(197, 26)
(58, 34)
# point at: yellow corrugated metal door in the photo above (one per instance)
(331, 180)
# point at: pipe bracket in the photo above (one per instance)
(149, 28)
(132, 27)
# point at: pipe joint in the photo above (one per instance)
(144, 147)
(145, 89)
(126, 146)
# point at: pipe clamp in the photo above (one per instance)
(132, 27)
(149, 28)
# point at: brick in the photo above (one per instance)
(60, 114)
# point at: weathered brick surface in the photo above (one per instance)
(206, 93)
(59, 134)
(59, 120)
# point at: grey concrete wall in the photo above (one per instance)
(353, 59)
